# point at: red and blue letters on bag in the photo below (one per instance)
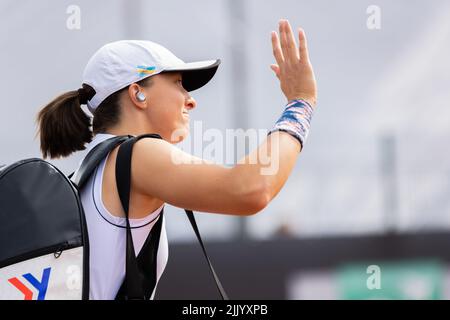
(24, 286)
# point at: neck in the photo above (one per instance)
(135, 129)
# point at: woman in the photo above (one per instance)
(138, 87)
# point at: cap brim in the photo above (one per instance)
(196, 74)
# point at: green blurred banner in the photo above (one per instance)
(411, 280)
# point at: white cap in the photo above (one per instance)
(119, 64)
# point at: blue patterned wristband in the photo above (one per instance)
(295, 120)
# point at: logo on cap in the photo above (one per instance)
(143, 70)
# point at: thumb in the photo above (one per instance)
(275, 69)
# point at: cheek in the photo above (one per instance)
(163, 111)
(171, 121)
(173, 111)
(172, 116)
(166, 112)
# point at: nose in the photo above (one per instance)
(190, 103)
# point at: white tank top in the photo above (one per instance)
(107, 236)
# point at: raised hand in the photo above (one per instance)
(293, 68)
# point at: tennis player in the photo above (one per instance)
(137, 87)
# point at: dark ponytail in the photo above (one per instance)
(64, 127)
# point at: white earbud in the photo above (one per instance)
(140, 96)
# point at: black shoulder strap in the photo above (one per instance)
(147, 261)
(222, 292)
(133, 286)
(93, 158)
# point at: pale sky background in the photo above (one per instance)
(393, 81)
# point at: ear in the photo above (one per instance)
(133, 89)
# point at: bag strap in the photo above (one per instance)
(93, 159)
(222, 292)
(147, 260)
(134, 278)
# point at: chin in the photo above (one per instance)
(179, 135)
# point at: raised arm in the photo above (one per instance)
(180, 179)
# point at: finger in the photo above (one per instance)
(303, 45)
(291, 45)
(275, 69)
(283, 40)
(276, 48)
